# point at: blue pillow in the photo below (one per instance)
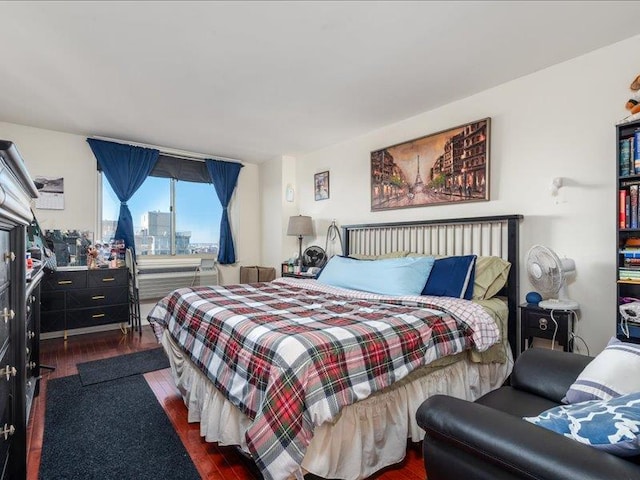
(609, 425)
(452, 277)
(393, 276)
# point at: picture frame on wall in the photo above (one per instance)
(450, 166)
(50, 192)
(321, 185)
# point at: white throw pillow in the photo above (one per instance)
(614, 372)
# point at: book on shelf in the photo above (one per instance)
(632, 243)
(631, 269)
(625, 158)
(633, 194)
(631, 257)
(636, 152)
(625, 276)
(623, 208)
(629, 272)
(632, 149)
(628, 183)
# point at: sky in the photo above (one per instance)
(197, 206)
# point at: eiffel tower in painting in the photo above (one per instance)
(418, 185)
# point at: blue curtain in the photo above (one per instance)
(126, 167)
(224, 176)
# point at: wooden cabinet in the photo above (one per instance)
(81, 297)
(16, 392)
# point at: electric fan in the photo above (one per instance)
(547, 274)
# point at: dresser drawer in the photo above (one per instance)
(52, 321)
(52, 301)
(95, 297)
(89, 317)
(538, 325)
(62, 280)
(107, 277)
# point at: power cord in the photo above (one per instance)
(333, 234)
(624, 326)
(574, 336)
(555, 330)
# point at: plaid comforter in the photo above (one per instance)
(290, 354)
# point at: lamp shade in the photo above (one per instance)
(300, 226)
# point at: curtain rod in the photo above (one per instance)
(171, 152)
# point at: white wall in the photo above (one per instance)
(558, 122)
(55, 154)
(275, 176)
(50, 153)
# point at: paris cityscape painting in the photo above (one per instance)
(446, 167)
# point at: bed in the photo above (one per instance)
(335, 376)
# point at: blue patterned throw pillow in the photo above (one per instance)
(609, 425)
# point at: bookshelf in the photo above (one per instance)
(628, 225)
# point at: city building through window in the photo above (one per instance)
(170, 217)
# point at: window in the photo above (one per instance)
(170, 217)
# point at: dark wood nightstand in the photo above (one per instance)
(300, 275)
(538, 322)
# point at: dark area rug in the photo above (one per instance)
(122, 366)
(110, 430)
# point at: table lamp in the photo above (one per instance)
(301, 226)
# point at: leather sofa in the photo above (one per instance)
(488, 440)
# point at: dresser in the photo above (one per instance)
(78, 297)
(18, 367)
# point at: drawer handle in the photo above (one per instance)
(97, 315)
(65, 282)
(97, 297)
(543, 323)
(7, 314)
(7, 431)
(9, 372)
(109, 279)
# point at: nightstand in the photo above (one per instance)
(300, 275)
(538, 322)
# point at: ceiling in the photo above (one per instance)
(257, 80)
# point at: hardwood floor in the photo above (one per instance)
(212, 461)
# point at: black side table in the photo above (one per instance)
(300, 275)
(539, 322)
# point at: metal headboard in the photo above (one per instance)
(483, 236)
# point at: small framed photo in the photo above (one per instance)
(321, 182)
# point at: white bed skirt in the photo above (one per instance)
(364, 438)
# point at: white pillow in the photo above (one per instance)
(614, 372)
